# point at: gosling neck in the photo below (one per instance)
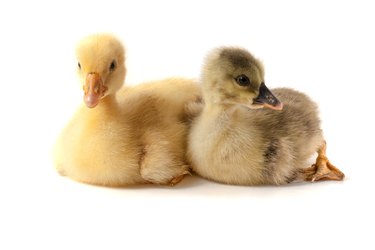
(220, 107)
(217, 102)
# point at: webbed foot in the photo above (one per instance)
(322, 170)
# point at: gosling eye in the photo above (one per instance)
(79, 65)
(242, 80)
(112, 67)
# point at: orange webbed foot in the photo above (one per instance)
(322, 169)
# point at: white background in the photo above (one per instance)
(323, 48)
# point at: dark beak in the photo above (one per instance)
(267, 99)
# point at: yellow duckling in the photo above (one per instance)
(135, 135)
(235, 140)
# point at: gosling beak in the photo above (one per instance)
(94, 90)
(267, 99)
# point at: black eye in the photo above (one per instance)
(242, 80)
(79, 65)
(112, 67)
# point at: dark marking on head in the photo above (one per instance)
(237, 57)
(241, 58)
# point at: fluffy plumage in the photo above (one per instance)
(128, 136)
(236, 140)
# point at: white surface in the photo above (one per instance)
(322, 48)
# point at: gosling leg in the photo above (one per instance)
(322, 169)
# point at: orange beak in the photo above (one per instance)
(94, 90)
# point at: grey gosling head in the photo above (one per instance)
(237, 77)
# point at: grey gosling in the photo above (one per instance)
(246, 136)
